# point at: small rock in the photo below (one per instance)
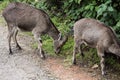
(95, 66)
(93, 75)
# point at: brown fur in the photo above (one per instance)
(97, 35)
(28, 18)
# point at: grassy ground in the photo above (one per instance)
(90, 58)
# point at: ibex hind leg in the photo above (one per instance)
(15, 39)
(39, 41)
(42, 54)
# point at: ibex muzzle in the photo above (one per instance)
(59, 43)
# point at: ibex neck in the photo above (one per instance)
(54, 33)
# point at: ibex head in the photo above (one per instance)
(59, 43)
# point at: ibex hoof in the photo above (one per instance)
(57, 54)
(82, 55)
(18, 47)
(73, 62)
(43, 55)
(11, 53)
(103, 74)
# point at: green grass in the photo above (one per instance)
(3, 4)
(2, 21)
(48, 46)
(28, 33)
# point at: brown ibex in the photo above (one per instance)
(28, 18)
(95, 34)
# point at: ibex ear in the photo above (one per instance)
(60, 36)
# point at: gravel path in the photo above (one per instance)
(22, 65)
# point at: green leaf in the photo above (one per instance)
(101, 10)
(79, 1)
(118, 23)
(110, 8)
(71, 1)
(87, 7)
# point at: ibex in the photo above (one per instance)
(27, 18)
(95, 34)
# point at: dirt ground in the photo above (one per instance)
(22, 65)
(26, 64)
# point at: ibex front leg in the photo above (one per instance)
(9, 42)
(100, 52)
(39, 40)
(74, 53)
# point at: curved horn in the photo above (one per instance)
(60, 36)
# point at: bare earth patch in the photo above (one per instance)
(23, 64)
(57, 67)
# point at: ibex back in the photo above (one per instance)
(28, 18)
(97, 35)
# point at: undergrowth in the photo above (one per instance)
(65, 15)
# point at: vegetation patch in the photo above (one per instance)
(64, 13)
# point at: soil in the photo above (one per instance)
(26, 64)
